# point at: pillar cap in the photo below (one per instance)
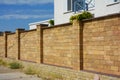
(20, 29)
(1, 33)
(7, 32)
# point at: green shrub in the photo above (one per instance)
(3, 63)
(51, 22)
(82, 16)
(30, 71)
(15, 65)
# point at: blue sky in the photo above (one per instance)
(19, 13)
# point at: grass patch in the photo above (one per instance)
(30, 71)
(15, 65)
(55, 76)
(3, 63)
(50, 76)
(43, 74)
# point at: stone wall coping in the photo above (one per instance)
(42, 25)
(1, 33)
(11, 33)
(60, 25)
(28, 31)
(20, 29)
(7, 32)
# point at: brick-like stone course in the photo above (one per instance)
(101, 45)
(61, 46)
(2, 46)
(12, 49)
(57, 46)
(29, 46)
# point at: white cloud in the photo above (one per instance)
(30, 11)
(31, 2)
(17, 16)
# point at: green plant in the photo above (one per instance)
(30, 71)
(3, 63)
(51, 22)
(15, 65)
(82, 16)
(72, 18)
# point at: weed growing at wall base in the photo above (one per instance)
(15, 65)
(30, 71)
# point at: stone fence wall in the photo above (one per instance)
(91, 45)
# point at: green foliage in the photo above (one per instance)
(72, 18)
(51, 22)
(3, 63)
(15, 65)
(82, 16)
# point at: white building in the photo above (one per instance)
(34, 24)
(63, 9)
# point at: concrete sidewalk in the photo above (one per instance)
(9, 74)
(17, 76)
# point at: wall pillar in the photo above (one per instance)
(18, 31)
(78, 46)
(5, 38)
(2, 52)
(40, 43)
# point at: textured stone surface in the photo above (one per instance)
(61, 46)
(29, 46)
(12, 46)
(101, 45)
(2, 46)
(57, 46)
